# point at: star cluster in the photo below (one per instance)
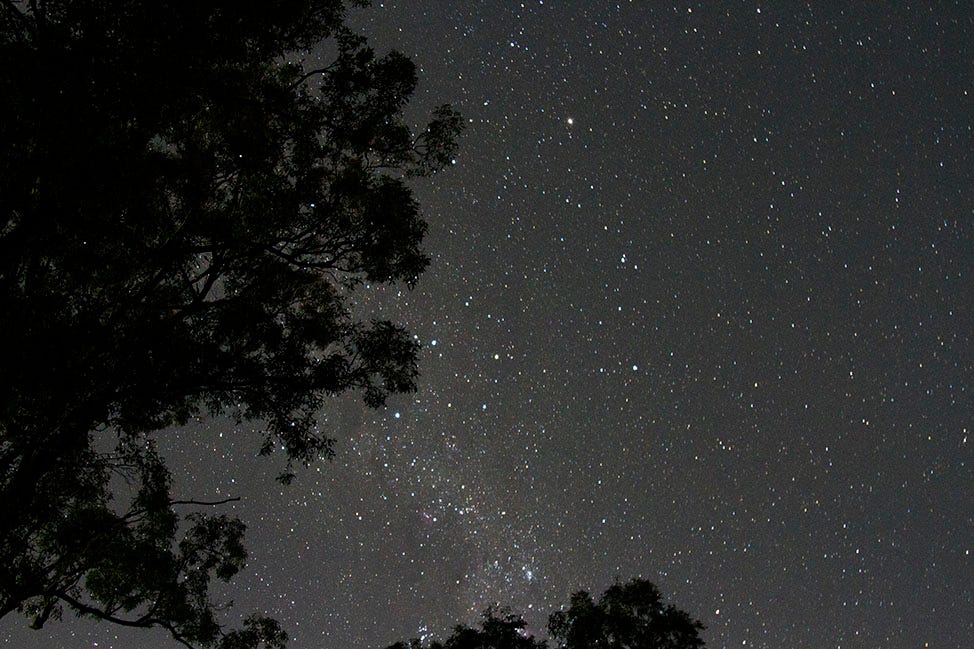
(700, 310)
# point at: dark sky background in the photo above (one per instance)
(700, 310)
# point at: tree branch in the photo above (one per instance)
(208, 503)
(140, 623)
(307, 75)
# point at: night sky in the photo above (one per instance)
(700, 310)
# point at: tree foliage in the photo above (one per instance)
(499, 629)
(627, 616)
(186, 206)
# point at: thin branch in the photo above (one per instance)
(215, 272)
(208, 503)
(136, 515)
(307, 75)
(294, 260)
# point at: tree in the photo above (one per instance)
(627, 616)
(499, 629)
(186, 209)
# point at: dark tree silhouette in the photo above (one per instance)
(628, 616)
(186, 206)
(499, 629)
